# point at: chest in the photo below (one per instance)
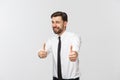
(65, 46)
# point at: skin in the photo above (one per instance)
(59, 26)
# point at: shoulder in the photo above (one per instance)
(73, 34)
(51, 38)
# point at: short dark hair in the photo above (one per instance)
(60, 13)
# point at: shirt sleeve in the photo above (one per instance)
(76, 43)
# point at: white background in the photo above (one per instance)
(25, 25)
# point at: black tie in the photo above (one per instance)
(59, 61)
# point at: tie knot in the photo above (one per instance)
(59, 37)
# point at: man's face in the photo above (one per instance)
(58, 25)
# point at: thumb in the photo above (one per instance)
(71, 48)
(44, 46)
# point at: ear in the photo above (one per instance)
(65, 23)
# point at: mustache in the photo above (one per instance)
(56, 27)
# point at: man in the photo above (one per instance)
(65, 48)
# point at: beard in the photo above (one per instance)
(57, 30)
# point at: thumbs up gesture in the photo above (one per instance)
(73, 55)
(42, 53)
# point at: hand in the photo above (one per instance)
(42, 53)
(73, 55)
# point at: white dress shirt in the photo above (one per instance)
(69, 69)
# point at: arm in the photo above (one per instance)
(75, 48)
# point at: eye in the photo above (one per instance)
(52, 21)
(57, 21)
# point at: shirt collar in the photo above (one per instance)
(62, 36)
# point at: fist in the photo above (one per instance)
(73, 55)
(42, 53)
